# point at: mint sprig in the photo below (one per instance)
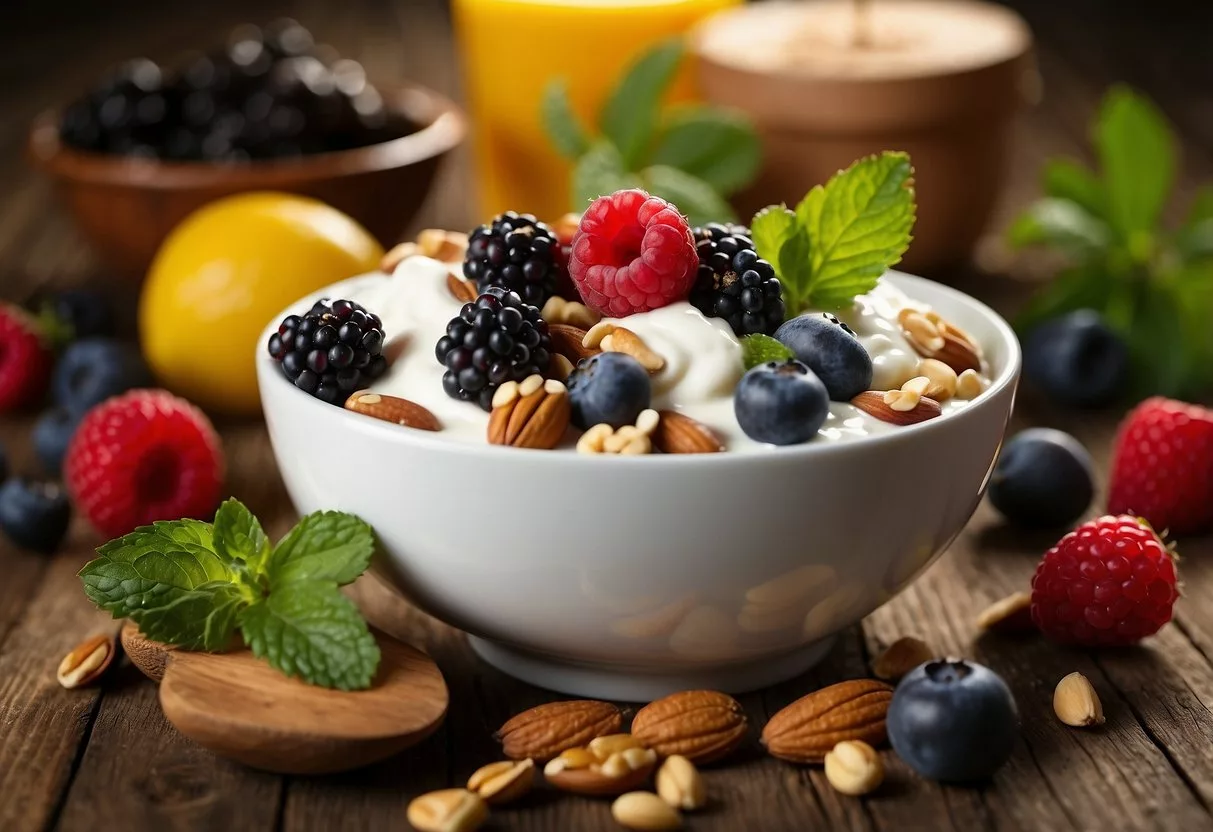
(759, 349)
(193, 584)
(843, 235)
(1153, 285)
(691, 155)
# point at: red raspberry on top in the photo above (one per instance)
(25, 358)
(143, 456)
(1109, 582)
(1162, 466)
(632, 252)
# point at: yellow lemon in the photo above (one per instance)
(224, 272)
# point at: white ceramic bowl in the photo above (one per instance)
(630, 577)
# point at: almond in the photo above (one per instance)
(546, 730)
(567, 340)
(1012, 614)
(872, 403)
(85, 664)
(958, 353)
(533, 413)
(809, 728)
(680, 434)
(1076, 703)
(392, 409)
(701, 725)
(462, 290)
(900, 658)
(397, 255)
(621, 772)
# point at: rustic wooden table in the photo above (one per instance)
(105, 759)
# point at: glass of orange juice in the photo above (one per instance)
(511, 49)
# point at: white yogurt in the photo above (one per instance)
(703, 357)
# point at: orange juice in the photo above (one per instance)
(511, 49)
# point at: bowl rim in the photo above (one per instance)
(340, 418)
(442, 126)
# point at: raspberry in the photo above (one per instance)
(143, 456)
(333, 350)
(1109, 582)
(1162, 466)
(632, 252)
(25, 359)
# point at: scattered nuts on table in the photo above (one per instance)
(806, 730)
(680, 785)
(447, 810)
(614, 767)
(544, 731)
(644, 811)
(503, 782)
(900, 657)
(1076, 703)
(701, 725)
(87, 662)
(853, 767)
(1012, 614)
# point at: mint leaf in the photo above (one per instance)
(153, 566)
(312, 631)
(1194, 240)
(858, 226)
(759, 349)
(694, 198)
(1061, 223)
(779, 240)
(629, 116)
(770, 229)
(1068, 179)
(600, 171)
(200, 619)
(718, 146)
(563, 128)
(324, 546)
(238, 535)
(1136, 150)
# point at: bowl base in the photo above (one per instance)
(630, 684)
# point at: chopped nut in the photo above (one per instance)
(560, 311)
(594, 335)
(680, 785)
(629, 440)
(565, 227)
(854, 768)
(1076, 703)
(560, 367)
(503, 782)
(85, 664)
(969, 385)
(910, 394)
(1012, 614)
(447, 810)
(629, 343)
(920, 331)
(644, 811)
(900, 658)
(446, 246)
(604, 747)
(941, 376)
(570, 758)
(580, 771)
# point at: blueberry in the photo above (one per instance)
(610, 388)
(94, 369)
(52, 434)
(1044, 479)
(831, 350)
(781, 402)
(953, 720)
(83, 313)
(33, 514)
(1076, 360)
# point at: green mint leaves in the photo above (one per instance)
(1154, 286)
(759, 349)
(843, 235)
(691, 155)
(193, 584)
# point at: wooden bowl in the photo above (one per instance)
(127, 206)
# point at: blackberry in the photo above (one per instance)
(333, 350)
(496, 338)
(516, 252)
(734, 283)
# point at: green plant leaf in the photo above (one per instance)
(716, 145)
(1158, 350)
(779, 240)
(770, 229)
(238, 536)
(1068, 179)
(858, 226)
(198, 619)
(324, 546)
(1136, 149)
(153, 566)
(629, 116)
(759, 349)
(600, 171)
(312, 631)
(561, 123)
(694, 198)
(1060, 223)
(1081, 287)
(1194, 240)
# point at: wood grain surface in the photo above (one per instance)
(106, 759)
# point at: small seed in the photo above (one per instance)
(447, 810)
(900, 658)
(644, 811)
(854, 768)
(1076, 703)
(680, 785)
(604, 747)
(85, 664)
(503, 782)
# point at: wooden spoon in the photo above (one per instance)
(239, 707)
